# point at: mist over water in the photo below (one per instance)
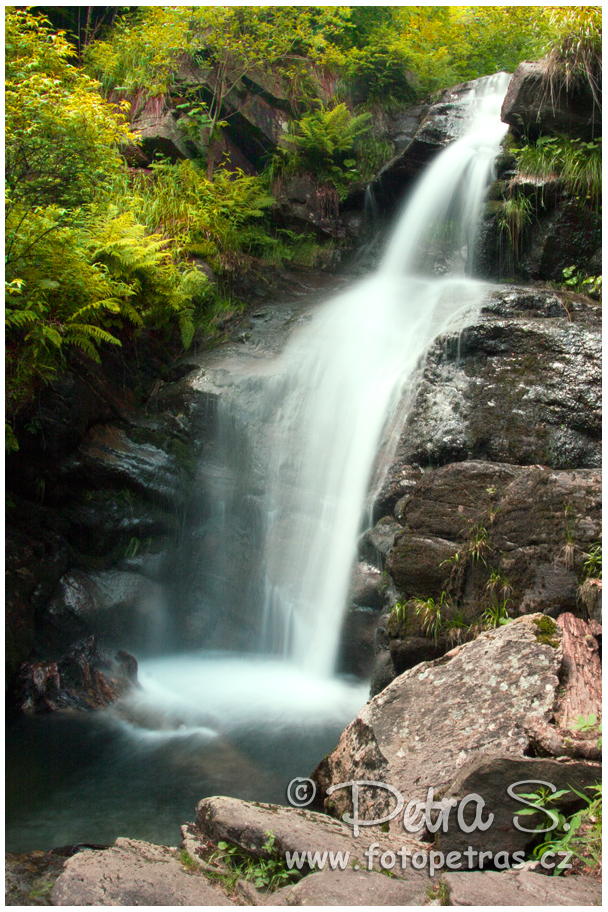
(244, 724)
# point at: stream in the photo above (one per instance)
(295, 465)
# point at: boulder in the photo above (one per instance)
(353, 888)
(419, 134)
(490, 779)
(84, 679)
(520, 888)
(300, 830)
(159, 133)
(532, 107)
(122, 608)
(429, 722)
(134, 873)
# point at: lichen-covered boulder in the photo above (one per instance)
(429, 722)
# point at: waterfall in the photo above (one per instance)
(343, 374)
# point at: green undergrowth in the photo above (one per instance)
(268, 873)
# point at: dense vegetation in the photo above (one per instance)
(96, 250)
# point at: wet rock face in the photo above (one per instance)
(510, 412)
(533, 523)
(419, 133)
(120, 607)
(519, 385)
(84, 679)
(531, 107)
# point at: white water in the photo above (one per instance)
(245, 725)
(346, 371)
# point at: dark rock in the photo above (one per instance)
(437, 125)
(536, 524)
(366, 587)
(305, 207)
(84, 679)
(420, 565)
(355, 655)
(121, 608)
(520, 888)
(399, 481)
(519, 385)
(108, 456)
(33, 567)
(29, 878)
(375, 544)
(133, 873)
(568, 235)
(490, 779)
(411, 651)
(531, 107)
(383, 672)
(159, 133)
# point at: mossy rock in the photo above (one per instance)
(547, 631)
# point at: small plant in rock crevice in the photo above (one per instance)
(265, 873)
(578, 836)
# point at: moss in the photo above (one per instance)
(547, 629)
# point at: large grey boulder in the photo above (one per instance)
(133, 873)
(531, 106)
(520, 888)
(420, 731)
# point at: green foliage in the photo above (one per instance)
(212, 220)
(593, 562)
(580, 834)
(267, 873)
(322, 144)
(581, 282)
(496, 615)
(61, 137)
(574, 50)
(188, 861)
(513, 217)
(546, 631)
(380, 68)
(577, 164)
(429, 611)
(587, 724)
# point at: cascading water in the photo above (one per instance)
(347, 370)
(283, 505)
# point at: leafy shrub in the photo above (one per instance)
(322, 144)
(576, 163)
